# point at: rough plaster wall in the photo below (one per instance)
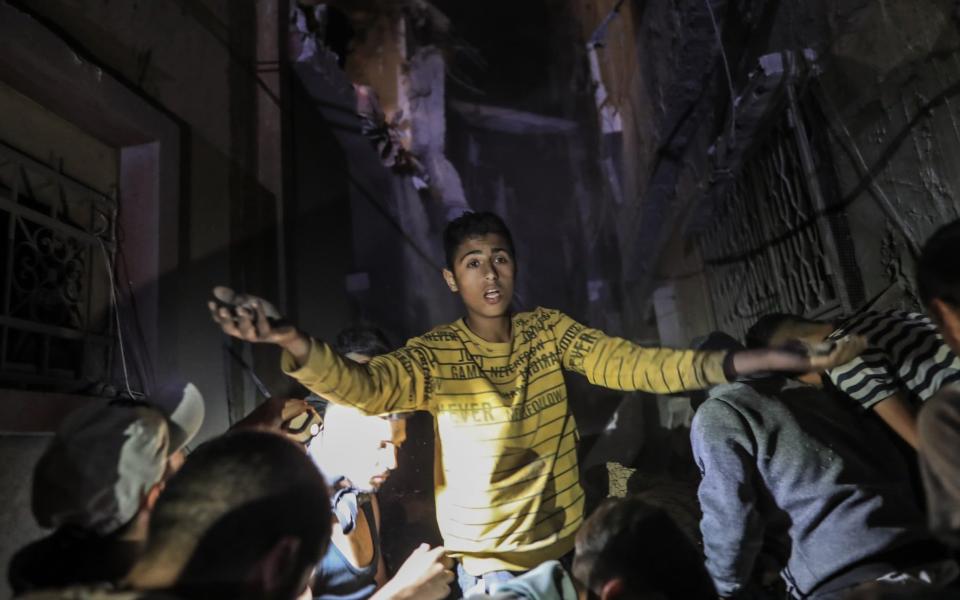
(892, 86)
(888, 88)
(888, 92)
(44, 136)
(193, 59)
(176, 52)
(682, 272)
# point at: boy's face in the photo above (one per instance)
(483, 272)
(947, 319)
(363, 449)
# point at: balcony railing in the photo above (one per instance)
(57, 250)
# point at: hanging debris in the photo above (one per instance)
(387, 137)
(320, 35)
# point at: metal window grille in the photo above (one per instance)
(769, 247)
(58, 242)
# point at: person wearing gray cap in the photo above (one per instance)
(238, 522)
(96, 483)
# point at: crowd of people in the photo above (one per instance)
(827, 453)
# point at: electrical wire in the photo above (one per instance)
(726, 69)
(841, 133)
(116, 314)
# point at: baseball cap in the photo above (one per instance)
(101, 462)
(182, 404)
(105, 457)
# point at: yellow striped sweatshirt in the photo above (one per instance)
(508, 493)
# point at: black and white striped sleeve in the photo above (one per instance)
(867, 379)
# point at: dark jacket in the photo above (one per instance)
(70, 556)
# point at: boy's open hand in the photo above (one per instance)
(246, 317)
(253, 319)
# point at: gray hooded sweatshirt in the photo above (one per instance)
(801, 475)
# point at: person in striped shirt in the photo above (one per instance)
(906, 360)
(506, 478)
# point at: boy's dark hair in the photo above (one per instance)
(761, 333)
(717, 341)
(629, 539)
(938, 275)
(362, 339)
(234, 499)
(473, 224)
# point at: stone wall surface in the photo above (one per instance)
(890, 90)
(883, 109)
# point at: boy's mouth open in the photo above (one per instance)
(492, 296)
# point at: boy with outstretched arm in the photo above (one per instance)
(508, 495)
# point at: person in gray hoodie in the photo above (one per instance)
(791, 472)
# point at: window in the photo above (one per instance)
(57, 247)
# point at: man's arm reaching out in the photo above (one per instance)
(253, 319)
(798, 358)
(393, 382)
(621, 364)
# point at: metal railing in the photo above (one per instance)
(770, 248)
(56, 246)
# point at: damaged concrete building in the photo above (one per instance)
(668, 168)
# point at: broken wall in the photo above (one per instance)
(878, 103)
(889, 90)
(385, 105)
(881, 110)
(881, 107)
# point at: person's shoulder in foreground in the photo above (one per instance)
(939, 427)
(938, 280)
(97, 482)
(616, 555)
(239, 520)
